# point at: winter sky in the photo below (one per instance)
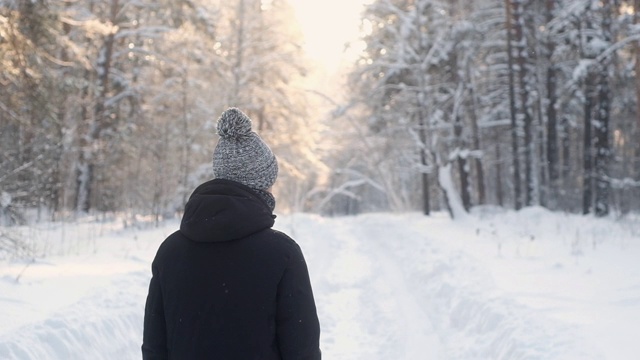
(327, 26)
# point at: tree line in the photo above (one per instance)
(519, 102)
(111, 105)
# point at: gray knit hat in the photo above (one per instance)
(241, 155)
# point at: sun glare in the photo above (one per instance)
(328, 27)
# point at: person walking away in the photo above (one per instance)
(227, 286)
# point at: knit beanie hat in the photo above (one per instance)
(241, 155)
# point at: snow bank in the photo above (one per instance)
(105, 325)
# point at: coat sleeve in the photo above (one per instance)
(154, 343)
(298, 328)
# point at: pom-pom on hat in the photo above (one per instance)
(241, 155)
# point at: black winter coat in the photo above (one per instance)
(226, 286)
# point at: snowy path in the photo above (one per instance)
(395, 287)
(442, 307)
(401, 287)
(370, 311)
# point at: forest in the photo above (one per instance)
(110, 106)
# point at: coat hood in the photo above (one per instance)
(223, 210)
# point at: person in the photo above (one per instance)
(226, 285)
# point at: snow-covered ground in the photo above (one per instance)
(497, 285)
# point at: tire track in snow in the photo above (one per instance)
(366, 306)
(420, 340)
(473, 318)
(339, 274)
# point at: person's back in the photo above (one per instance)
(227, 286)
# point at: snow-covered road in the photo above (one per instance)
(503, 285)
(400, 288)
(367, 308)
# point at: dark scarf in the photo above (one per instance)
(267, 197)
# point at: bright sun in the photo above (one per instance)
(328, 26)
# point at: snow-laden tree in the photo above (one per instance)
(110, 105)
(584, 29)
(261, 72)
(403, 51)
(178, 107)
(516, 83)
(31, 127)
(416, 82)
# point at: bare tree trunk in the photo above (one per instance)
(499, 194)
(86, 163)
(587, 161)
(565, 141)
(513, 108)
(186, 136)
(636, 21)
(590, 98)
(476, 138)
(521, 49)
(459, 68)
(602, 149)
(460, 143)
(422, 131)
(463, 165)
(601, 128)
(553, 159)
